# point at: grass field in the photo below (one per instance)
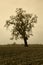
(20, 55)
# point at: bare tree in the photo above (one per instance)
(22, 24)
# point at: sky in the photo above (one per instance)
(8, 7)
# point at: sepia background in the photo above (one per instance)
(7, 8)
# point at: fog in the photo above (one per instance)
(7, 8)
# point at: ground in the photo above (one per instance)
(20, 55)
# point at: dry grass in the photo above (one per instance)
(20, 55)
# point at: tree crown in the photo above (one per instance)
(22, 24)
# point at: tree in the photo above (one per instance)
(22, 24)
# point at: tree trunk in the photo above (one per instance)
(25, 41)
